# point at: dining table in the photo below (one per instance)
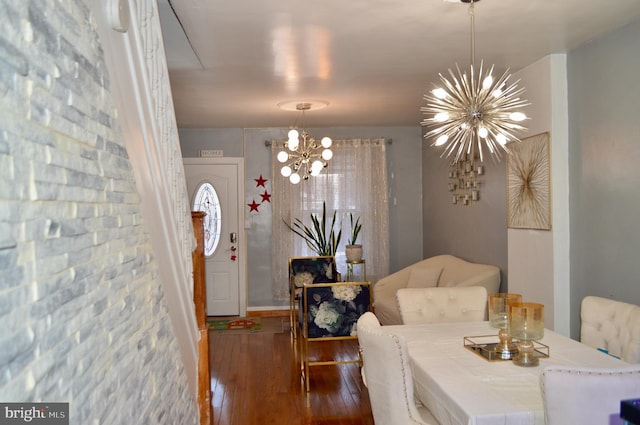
(462, 387)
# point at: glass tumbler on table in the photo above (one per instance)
(526, 324)
(499, 318)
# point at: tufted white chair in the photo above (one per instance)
(587, 396)
(433, 305)
(611, 325)
(387, 374)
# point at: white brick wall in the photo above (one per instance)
(83, 317)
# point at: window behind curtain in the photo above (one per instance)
(355, 181)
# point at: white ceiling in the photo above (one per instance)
(231, 62)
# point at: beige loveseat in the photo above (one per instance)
(441, 270)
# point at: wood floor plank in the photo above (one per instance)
(255, 380)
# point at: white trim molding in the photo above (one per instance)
(139, 77)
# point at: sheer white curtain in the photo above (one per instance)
(354, 182)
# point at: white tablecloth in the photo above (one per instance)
(461, 388)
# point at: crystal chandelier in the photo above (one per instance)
(302, 155)
(475, 109)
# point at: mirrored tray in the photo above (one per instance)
(484, 346)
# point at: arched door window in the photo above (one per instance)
(207, 200)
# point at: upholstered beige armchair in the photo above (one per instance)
(611, 326)
(586, 396)
(387, 374)
(442, 271)
(437, 305)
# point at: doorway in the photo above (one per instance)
(215, 187)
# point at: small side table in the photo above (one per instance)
(352, 276)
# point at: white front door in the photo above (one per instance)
(214, 187)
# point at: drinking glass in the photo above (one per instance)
(499, 318)
(526, 324)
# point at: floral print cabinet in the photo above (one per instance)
(330, 311)
(333, 310)
(307, 270)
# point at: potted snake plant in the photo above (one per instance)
(353, 250)
(321, 237)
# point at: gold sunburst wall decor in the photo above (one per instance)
(528, 184)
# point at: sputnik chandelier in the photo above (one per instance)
(472, 110)
(302, 155)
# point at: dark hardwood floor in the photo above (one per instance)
(255, 380)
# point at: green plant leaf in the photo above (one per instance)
(355, 229)
(319, 238)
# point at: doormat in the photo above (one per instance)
(235, 324)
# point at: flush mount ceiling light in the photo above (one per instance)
(302, 156)
(474, 110)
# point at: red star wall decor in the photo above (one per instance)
(265, 195)
(253, 206)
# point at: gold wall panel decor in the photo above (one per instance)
(528, 184)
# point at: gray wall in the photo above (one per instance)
(476, 232)
(84, 317)
(604, 131)
(405, 191)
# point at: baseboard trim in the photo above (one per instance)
(273, 311)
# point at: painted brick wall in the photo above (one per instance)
(82, 313)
